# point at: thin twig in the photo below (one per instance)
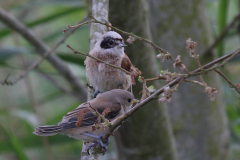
(88, 55)
(225, 59)
(153, 79)
(195, 82)
(228, 80)
(119, 120)
(198, 62)
(36, 63)
(129, 34)
(175, 89)
(223, 34)
(202, 80)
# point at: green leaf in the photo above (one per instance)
(222, 19)
(46, 19)
(7, 52)
(79, 60)
(151, 89)
(62, 3)
(14, 143)
(17, 147)
(140, 79)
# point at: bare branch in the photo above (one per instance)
(195, 82)
(153, 79)
(228, 80)
(119, 120)
(43, 50)
(223, 34)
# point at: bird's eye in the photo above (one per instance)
(110, 42)
(129, 100)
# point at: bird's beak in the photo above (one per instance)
(134, 101)
(122, 45)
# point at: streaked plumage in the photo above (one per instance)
(117, 100)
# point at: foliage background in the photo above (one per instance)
(21, 105)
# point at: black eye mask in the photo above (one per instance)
(108, 42)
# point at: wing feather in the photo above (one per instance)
(70, 119)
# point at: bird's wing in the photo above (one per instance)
(126, 63)
(73, 118)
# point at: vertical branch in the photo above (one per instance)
(100, 12)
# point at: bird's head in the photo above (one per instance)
(111, 42)
(125, 98)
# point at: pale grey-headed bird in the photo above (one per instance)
(79, 123)
(109, 48)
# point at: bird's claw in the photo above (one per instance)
(94, 144)
(96, 93)
(99, 141)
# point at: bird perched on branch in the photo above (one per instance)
(82, 122)
(109, 48)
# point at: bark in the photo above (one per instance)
(147, 134)
(99, 10)
(200, 125)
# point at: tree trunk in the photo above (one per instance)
(147, 134)
(200, 125)
(99, 10)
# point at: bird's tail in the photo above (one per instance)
(47, 130)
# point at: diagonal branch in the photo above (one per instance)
(228, 80)
(43, 49)
(119, 120)
(223, 34)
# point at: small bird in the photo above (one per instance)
(109, 48)
(80, 122)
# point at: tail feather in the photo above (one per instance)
(47, 130)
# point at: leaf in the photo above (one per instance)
(14, 143)
(79, 60)
(17, 147)
(27, 116)
(45, 19)
(7, 52)
(75, 3)
(222, 18)
(140, 79)
(151, 89)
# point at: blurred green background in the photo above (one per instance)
(35, 100)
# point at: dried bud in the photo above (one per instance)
(211, 92)
(168, 76)
(238, 85)
(162, 99)
(178, 64)
(167, 95)
(135, 72)
(131, 39)
(190, 44)
(68, 27)
(109, 28)
(163, 56)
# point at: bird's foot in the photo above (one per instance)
(94, 144)
(99, 141)
(96, 93)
